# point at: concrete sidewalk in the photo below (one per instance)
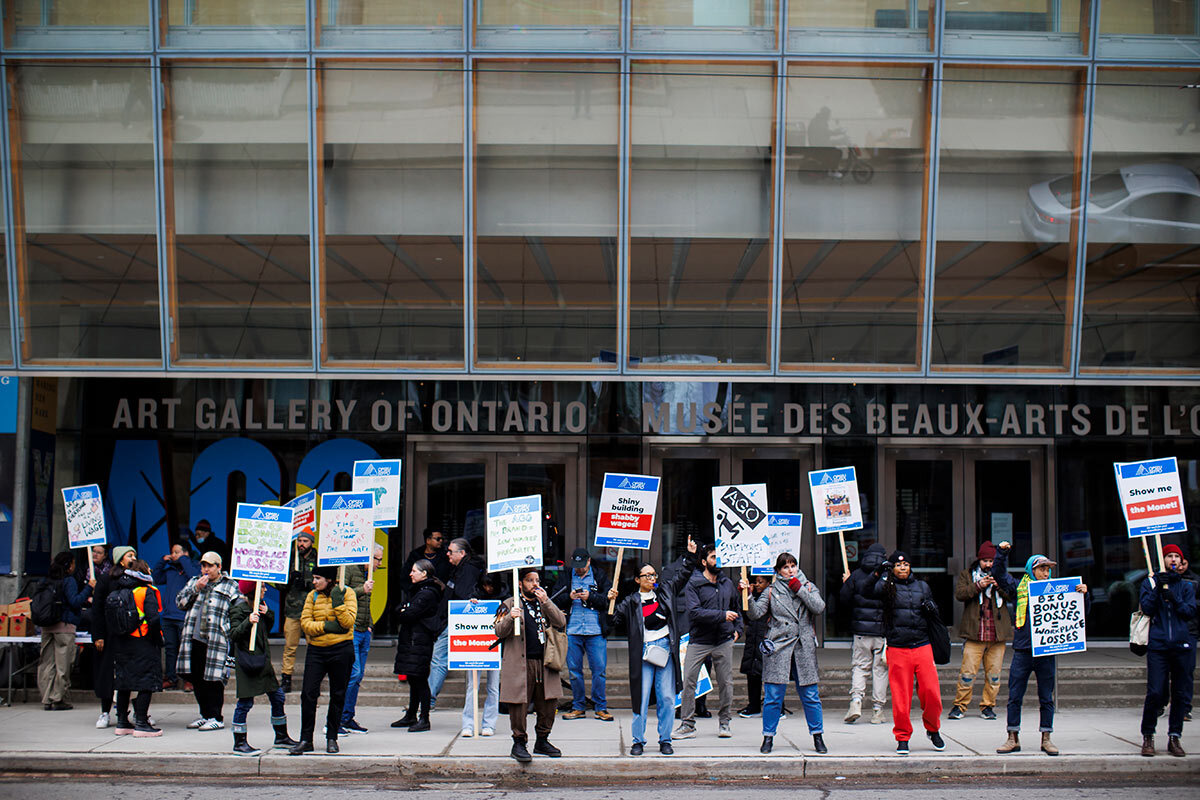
(1095, 742)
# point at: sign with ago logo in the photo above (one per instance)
(627, 507)
(347, 528)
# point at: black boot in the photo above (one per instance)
(285, 683)
(301, 747)
(543, 747)
(421, 725)
(768, 745)
(281, 736)
(409, 718)
(819, 744)
(520, 753)
(241, 747)
(331, 746)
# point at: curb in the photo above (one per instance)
(584, 771)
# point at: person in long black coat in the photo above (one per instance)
(137, 656)
(420, 622)
(752, 657)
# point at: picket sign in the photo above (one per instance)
(84, 509)
(836, 504)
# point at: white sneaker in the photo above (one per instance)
(196, 724)
(467, 733)
(855, 710)
(724, 733)
(487, 732)
(877, 717)
(212, 725)
(102, 720)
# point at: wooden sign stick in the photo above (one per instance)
(91, 566)
(371, 567)
(516, 602)
(1146, 550)
(1162, 564)
(745, 592)
(845, 560)
(612, 604)
(342, 577)
(258, 589)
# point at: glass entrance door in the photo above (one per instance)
(940, 504)
(453, 481)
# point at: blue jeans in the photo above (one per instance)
(810, 698)
(1024, 665)
(491, 705)
(362, 647)
(441, 660)
(662, 681)
(244, 704)
(597, 655)
(172, 629)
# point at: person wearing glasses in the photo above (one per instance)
(647, 617)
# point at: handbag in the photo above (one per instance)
(555, 654)
(939, 635)
(251, 663)
(1139, 632)
(656, 654)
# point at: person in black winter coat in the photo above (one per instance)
(137, 656)
(866, 623)
(420, 623)
(102, 675)
(906, 602)
(752, 657)
(462, 579)
(1170, 602)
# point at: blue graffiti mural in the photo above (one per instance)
(135, 510)
(210, 480)
(322, 464)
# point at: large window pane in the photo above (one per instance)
(1149, 28)
(718, 25)
(240, 172)
(1016, 27)
(546, 211)
(229, 24)
(536, 25)
(1004, 256)
(1143, 256)
(391, 24)
(393, 212)
(6, 351)
(86, 177)
(700, 213)
(77, 24)
(855, 175)
(887, 26)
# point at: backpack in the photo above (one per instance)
(46, 605)
(121, 612)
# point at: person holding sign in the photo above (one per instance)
(252, 670)
(420, 622)
(1170, 603)
(524, 675)
(985, 629)
(790, 648)
(1024, 663)
(713, 606)
(58, 638)
(207, 599)
(299, 585)
(327, 621)
(358, 579)
(905, 601)
(648, 620)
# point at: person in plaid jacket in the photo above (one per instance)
(204, 649)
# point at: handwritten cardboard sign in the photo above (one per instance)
(1056, 621)
(85, 516)
(347, 528)
(740, 522)
(514, 533)
(262, 541)
(381, 478)
(783, 536)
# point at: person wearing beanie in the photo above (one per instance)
(327, 621)
(1037, 568)
(253, 672)
(102, 676)
(204, 649)
(300, 571)
(907, 602)
(789, 606)
(985, 629)
(1170, 603)
(137, 652)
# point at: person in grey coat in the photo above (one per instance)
(789, 648)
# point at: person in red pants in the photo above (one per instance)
(906, 602)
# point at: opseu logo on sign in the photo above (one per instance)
(628, 484)
(476, 608)
(839, 477)
(1144, 470)
(267, 515)
(370, 470)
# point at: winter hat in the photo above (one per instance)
(119, 552)
(1038, 560)
(1172, 548)
(328, 573)
(246, 588)
(986, 550)
(306, 534)
(898, 556)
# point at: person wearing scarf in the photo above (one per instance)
(524, 677)
(985, 628)
(1037, 568)
(1170, 602)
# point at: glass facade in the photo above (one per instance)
(646, 187)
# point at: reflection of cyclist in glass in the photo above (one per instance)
(826, 141)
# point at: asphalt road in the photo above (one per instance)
(18, 788)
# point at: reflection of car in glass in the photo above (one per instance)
(1138, 203)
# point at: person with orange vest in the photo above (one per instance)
(137, 655)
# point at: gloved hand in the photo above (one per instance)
(337, 595)
(1161, 581)
(886, 566)
(333, 626)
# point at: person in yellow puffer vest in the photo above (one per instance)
(328, 625)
